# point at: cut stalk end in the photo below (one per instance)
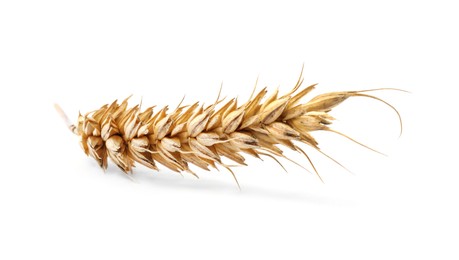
(66, 120)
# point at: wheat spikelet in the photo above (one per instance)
(201, 136)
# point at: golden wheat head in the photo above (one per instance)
(201, 136)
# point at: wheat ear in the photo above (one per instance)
(201, 136)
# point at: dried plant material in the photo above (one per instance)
(202, 136)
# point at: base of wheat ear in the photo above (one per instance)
(199, 135)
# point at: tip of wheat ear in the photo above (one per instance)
(202, 136)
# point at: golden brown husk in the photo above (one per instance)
(203, 135)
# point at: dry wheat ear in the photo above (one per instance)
(199, 135)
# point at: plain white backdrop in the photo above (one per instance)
(56, 204)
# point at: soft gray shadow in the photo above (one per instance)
(172, 180)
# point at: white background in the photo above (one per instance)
(56, 204)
